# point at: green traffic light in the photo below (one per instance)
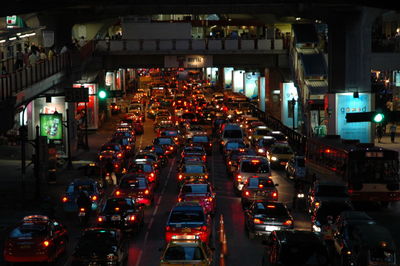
(378, 118)
(102, 94)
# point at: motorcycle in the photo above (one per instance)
(83, 216)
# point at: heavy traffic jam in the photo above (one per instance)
(190, 125)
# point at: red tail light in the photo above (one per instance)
(64, 199)
(204, 228)
(100, 219)
(257, 221)
(116, 209)
(288, 222)
(119, 155)
(180, 177)
(247, 193)
(179, 199)
(94, 197)
(171, 148)
(210, 144)
(146, 192)
(167, 228)
(260, 185)
(117, 193)
(206, 176)
(46, 243)
(275, 195)
(230, 162)
(204, 157)
(239, 178)
(132, 218)
(82, 209)
(210, 199)
(116, 165)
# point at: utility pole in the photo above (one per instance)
(86, 128)
(23, 133)
(293, 101)
(36, 167)
(69, 165)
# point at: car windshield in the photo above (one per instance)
(254, 167)
(200, 139)
(184, 253)
(304, 253)
(270, 210)
(235, 145)
(197, 188)
(164, 141)
(29, 230)
(261, 132)
(133, 183)
(141, 168)
(331, 191)
(190, 169)
(178, 216)
(233, 134)
(122, 205)
(281, 150)
(260, 183)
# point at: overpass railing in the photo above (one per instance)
(296, 140)
(214, 45)
(12, 83)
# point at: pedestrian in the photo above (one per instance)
(50, 54)
(19, 62)
(393, 132)
(379, 132)
(42, 55)
(33, 58)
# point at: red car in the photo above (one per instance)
(201, 193)
(135, 186)
(36, 238)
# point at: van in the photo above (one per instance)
(231, 131)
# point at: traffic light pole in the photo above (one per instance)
(86, 128)
(36, 167)
(69, 165)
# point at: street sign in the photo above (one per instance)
(73, 95)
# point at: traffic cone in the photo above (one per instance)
(221, 259)
(221, 229)
(224, 245)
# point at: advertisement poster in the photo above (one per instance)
(251, 84)
(51, 126)
(92, 105)
(261, 103)
(289, 92)
(346, 103)
(228, 77)
(238, 81)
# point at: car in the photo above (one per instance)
(138, 128)
(263, 217)
(115, 108)
(36, 238)
(125, 127)
(204, 141)
(279, 136)
(127, 145)
(186, 221)
(147, 167)
(279, 154)
(70, 196)
(230, 131)
(259, 188)
(187, 252)
(250, 166)
(115, 148)
(254, 125)
(326, 191)
(124, 134)
(172, 133)
(191, 130)
(163, 123)
(202, 193)
(149, 156)
(263, 145)
(190, 172)
(258, 133)
(168, 144)
(137, 187)
(194, 151)
(233, 157)
(248, 120)
(295, 168)
(188, 159)
(159, 151)
(323, 217)
(121, 213)
(188, 118)
(100, 246)
(293, 247)
(231, 145)
(366, 244)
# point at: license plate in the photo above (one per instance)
(186, 230)
(115, 218)
(81, 214)
(283, 163)
(271, 228)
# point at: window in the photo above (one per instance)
(184, 253)
(254, 167)
(178, 216)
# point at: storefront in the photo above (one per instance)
(92, 106)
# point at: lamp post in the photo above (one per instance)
(293, 102)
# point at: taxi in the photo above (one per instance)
(194, 151)
(187, 220)
(279, 154)
(201, 193)
(167, 143)
(71, 194)
(258, 133)
(36, 238)
(187, 252)
(172, 133)
(192, 171)
(135, 186)
(203, 140)
(147, 167)
(259, 188)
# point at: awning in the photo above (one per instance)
(314, 66)
(317, 86)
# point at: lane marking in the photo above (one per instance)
(139, 257)
(140, 141)
(149, 226)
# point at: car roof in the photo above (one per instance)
(187, 205)
(298, 236)
(82, 181)
(374, 235)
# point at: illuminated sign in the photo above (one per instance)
(251, 84)
(238, 79)
(188, 61)
(289, 92)
(262, 94)
(109, 78)
(228, 77)
(51, 126)
(346, 103)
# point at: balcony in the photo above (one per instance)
(190, 46)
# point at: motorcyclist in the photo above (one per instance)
(110, 170)
(299, 189)
(83, 200)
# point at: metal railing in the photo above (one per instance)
(12, 83)
(213, 45)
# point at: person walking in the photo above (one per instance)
(379, 132)
(393, 132)
(19, 60)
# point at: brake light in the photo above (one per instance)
(210, 199)
(271, 206)
(230, 163)
(257, 221)
(210, 144)
(275, 195)
(117, 193)
(116, 209)
(171, 148)
(146, 192)
(239, 178)
(100, 219)
(317, 204)
(167, 228)
(152, 174)
(132, 218)
(82, 209)
(260, 185)
(204, 157)
(180, 177)
(255, 161)
(64, 199)
(119, 155)
(206, 176)
(179, 199)
(94, 197)
(101, 157)
(204, 228)
(288, 222)
(116, 165)
(46, 243)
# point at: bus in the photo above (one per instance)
(371, 173)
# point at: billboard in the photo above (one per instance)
(188, 61)
(288, 111)
(261, 103)
(346, 103)
(251, 84)
(228, 77)
(238, 79)
(92, 104)
(51, 126)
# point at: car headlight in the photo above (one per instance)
(261, 150)
(316, 228)
(250, 137)
(111, 256)
(273, 158)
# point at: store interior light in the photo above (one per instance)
(2, 41)
(297, 19)
(12, 38)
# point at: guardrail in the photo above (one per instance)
(296, 140)
(165, 45)
(12, 83)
